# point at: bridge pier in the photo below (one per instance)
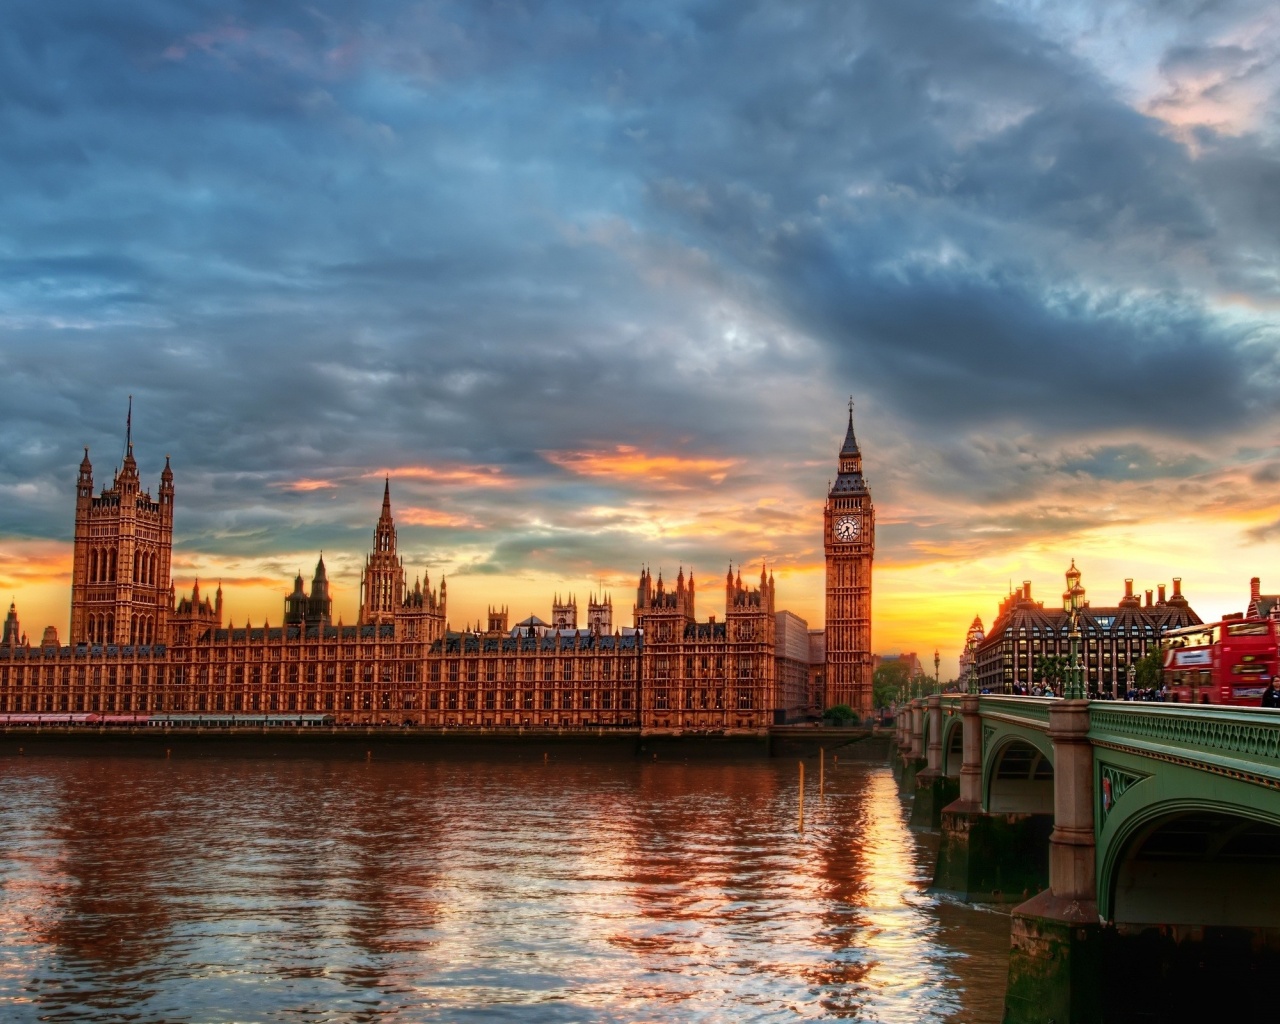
(985, 857)
(911, 745)
(933, 789)
(1056, 961)
(1163, 819)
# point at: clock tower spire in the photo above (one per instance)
(849, 541)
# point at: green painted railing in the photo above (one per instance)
(1243, 743)
(1029, 712)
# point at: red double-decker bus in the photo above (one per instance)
(1228, 662)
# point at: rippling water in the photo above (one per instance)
(217, 888)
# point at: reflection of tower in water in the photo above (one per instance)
(99, 898)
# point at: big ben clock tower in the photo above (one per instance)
(849, 539)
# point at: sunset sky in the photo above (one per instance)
(593, 283)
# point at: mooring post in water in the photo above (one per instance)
(544, 758)
(822, 771)
(368, 755)
(801, 796)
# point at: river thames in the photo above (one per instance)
(216, 888)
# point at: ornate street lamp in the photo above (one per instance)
(937, 685)
(1074, 688)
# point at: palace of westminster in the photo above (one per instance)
(134, 649)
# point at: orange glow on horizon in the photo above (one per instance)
(628, 461)
(474, 476)
(305, 485)
(433, 517)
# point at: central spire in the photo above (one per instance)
(850, 446)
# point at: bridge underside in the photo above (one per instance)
(1201, 868)
(1196, 911)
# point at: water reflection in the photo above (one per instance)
(275, 889)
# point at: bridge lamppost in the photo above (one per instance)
(1074, 686)
(937, 661)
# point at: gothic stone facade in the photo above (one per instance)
(133, 649)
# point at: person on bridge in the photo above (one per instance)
(1271, 696)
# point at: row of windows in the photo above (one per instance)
(274, 675)
(1050, 632)
(528, 700)
(261, 651)
(529, 670)
(744, 698)
(142, 702)
(17, 675)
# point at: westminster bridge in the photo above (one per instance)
(1141, 842)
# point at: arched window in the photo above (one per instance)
(110, 633)
(93, 565)
(111, 576)
(133, 629)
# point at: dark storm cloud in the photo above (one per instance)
(312, 239)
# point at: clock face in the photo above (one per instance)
(848, 527)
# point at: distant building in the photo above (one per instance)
(818, 669)
(972, 641)
(910, 660)
(791, 655)
(1111, 638)
(1261, 606)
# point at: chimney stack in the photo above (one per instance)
(1148, 599)
(1026, 590)
(1255, 589)
(1177, 586)
(1160, 594)
(1128, 588)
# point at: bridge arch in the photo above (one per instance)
(1017, 773)
(952, 745)
(1198, 861)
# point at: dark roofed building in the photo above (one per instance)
(1261, 606)
(1111, 638)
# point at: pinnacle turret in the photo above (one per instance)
(849, 478)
